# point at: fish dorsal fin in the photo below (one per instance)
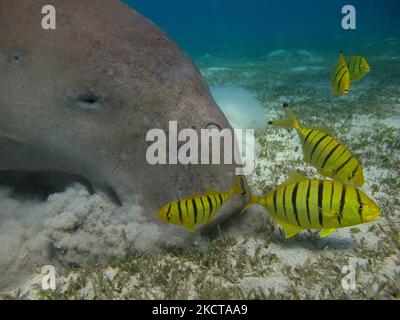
(290, 231)
(193, 196)
(294, 177)
(325, 129)
(324, 232)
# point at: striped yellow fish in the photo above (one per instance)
(341, 77)
(358, 67)
(197, 210)
(324, 152)
(301, 203)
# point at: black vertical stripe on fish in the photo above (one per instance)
(323, 149)
(343, 164)
(343, 152)
(342, 200)
(216, 201)
(354, 171)
(169, 212)
(308, 135)
(349, 61)
(320, 195)
(359, 64)
(352, 63)
(329, 155)
(180, 212)
(316, 145)
(355, 60)
(308, 201)
(338, 71)
(210, 204)
(339, 218)
(220, 198)
(187, 210)
(274, 200)
(194, 210)
(353, 67)
(284, 203)
(294, 198)
(202, 204)
(360, 205)
(340, 80)
(203, 208)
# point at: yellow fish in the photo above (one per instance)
(324, 152)
(197, 210)
(301, 203)
(341, 77)
(358, 67)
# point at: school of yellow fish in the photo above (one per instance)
(348, 70)
(300, 203)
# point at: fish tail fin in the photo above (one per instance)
(238, 186)
(253, 200)
(291, 121)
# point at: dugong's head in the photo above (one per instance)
(80, 99)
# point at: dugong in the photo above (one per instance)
(80, 100)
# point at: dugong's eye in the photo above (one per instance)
(86, 101)
(15, 57)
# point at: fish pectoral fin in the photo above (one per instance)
(324, 232)
(191, 228)
(331, 214)
(290, 231)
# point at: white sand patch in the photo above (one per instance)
(303, 69)
(279, 53)
(240, 106)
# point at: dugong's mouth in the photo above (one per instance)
(41, 184)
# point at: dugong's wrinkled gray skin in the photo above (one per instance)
(80, 99)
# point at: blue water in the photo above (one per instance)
(253, 27)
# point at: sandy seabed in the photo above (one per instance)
(102, 251)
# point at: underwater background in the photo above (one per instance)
(251, 28)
